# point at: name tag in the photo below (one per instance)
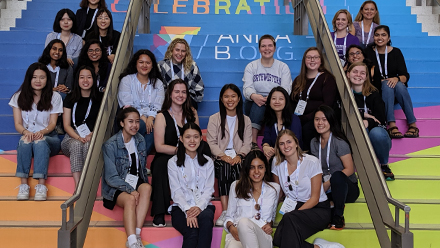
(259, 222)
(299, 110)
(327, 177)
(231, 153)
(132, 180)
(197, 195)
(83, 130)
(288, 206)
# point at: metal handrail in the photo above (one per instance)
(74, 228)
(376, 192)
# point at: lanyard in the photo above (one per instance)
(129, 157)
(365, 42)
(85, 117)
(57, 71)
(259, 198)
(109, 48)
(297, 176)
(91, 23)
(27, 119)
(276, 128)
(140, 89)
(386, 62)
(310, 88)
(175, 125)
(172, 71)
(194, 184)
(328, 151)
(345, 43)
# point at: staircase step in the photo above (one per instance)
(414, 189)
(9, 185)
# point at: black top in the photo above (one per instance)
(396, 65)
(375, 107)
(83, 20)
(112, 44)
(81, 110)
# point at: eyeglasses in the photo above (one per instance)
(97, 50)
(356, 53)
(258, 208)
(290, 185)
(310, 58)
(104, 18)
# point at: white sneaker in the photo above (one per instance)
(322, 243)
(220, 221)
(139, 243)
(23, 192)
(40, 192)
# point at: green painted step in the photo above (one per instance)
(416, 167)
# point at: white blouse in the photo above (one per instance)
(308, 168)
(240, 208)
(36, 120)
(183, 180)
(147, 101)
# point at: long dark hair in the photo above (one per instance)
(153, 75)
(26, 97)
(124, 113)
(238, 109)
(244, 185)
(109, 29)
(59, 16)
(286, 115)
(181, 150)
(332, 120)
(85, 60)
(85, 3)
(187, 111)
(302, 77)
(76, 91)
(386, 29)
(46, 59)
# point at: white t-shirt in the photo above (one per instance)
(231, 125)
(308, 168)
(131, 148)
(36, 120)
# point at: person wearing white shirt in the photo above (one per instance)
(306, 208)
(141, 87)
(252, 205)
(36, 108)
(191, 177)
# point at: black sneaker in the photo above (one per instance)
(338, 222)
(159, 220)
(389, 176)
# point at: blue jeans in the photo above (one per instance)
(381, 143)
(194, 237)
(41, 150)
(401, 94)
(149, 138)
(255, 113)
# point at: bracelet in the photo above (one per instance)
(22, 132)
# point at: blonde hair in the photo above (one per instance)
(367, 88)
(359, 17)
(279, 156)
(188, 60)
(350, 20)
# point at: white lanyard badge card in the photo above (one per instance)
(299, 110)
(83, 129)
(290, 204)
(384, 76)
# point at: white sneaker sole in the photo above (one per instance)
(40, 198)
(23, 198)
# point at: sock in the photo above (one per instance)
(131, 239)
(138, 232)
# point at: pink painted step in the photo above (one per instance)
(422, 112)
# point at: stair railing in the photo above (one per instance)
(77, 210)
(376, 192)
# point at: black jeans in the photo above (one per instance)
(194, 237)
(343, 191)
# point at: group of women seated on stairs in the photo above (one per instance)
(304, 160)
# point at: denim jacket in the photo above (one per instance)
(117, 165)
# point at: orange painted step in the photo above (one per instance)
(9, 184)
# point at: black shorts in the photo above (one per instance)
(109, 204)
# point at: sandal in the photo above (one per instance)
(395, 135)
(413, 132)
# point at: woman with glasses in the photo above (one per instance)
(365, 22)
(64, 27)
(252, 205)
(392, 76)
(313, 87)
(260, 76)
(306, 209)
(104, 32)
(92, 55)
(342, 23)
(86, 16)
